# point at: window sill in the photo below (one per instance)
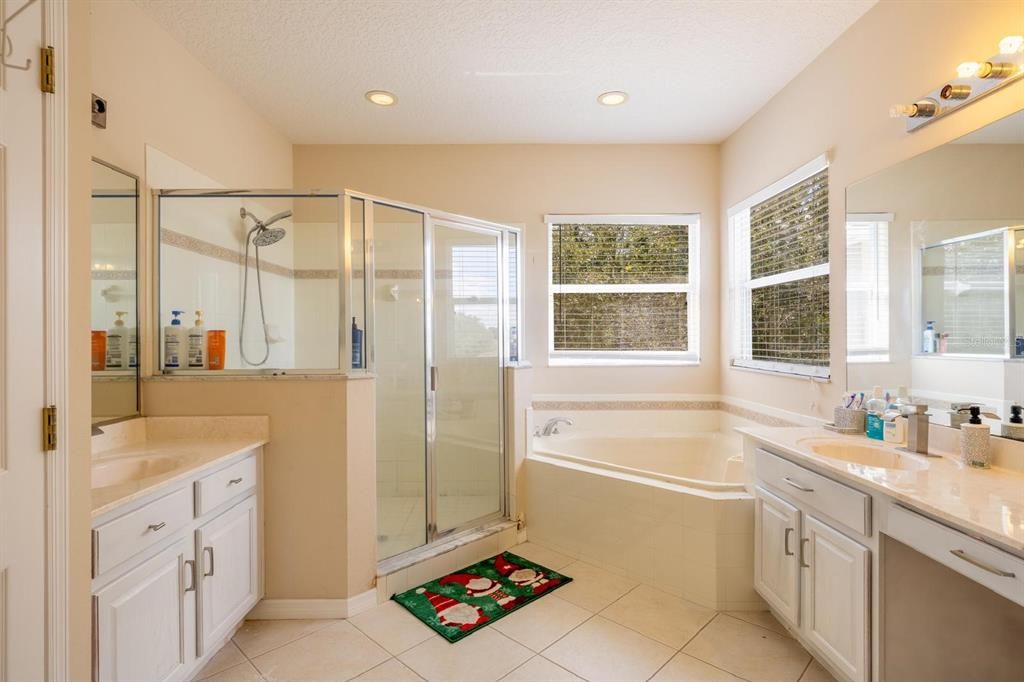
(622, 362)
(793, 372)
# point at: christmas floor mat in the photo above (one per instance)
(461, 603)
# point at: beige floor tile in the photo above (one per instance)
(763, 618)
(484, 655)
(747, 650)
(684, 668)
(540, 669)
(593, 588)
(392, 627)
(257, 637)
(389, 671)
(244, 672)
(228, 657)
(667, 619)
(602, 650)
(337, 652)
(816, 673)
(539, 624)
(539, 554)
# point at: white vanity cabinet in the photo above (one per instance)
(168, 592)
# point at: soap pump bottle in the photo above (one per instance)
(1015, 429)
(974, 441)
(197, 344)
(928, 343)
(174, 341)
(116, 339)
(876, 408)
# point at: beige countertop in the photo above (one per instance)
(192, 443)
(986, 503)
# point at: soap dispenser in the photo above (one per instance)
(174, 341)
(975, 450)
(197, 344)
(116, 339)
(1015, 429)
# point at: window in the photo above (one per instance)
(780, 275)
(867, 287)
(623, 289)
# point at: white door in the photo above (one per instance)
(776, 554)
(229, 582)
(145, 620)
(22, 460)
(836, 593)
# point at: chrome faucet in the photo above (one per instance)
(550, 427)
(917, 430)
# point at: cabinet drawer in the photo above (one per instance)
(126, 536)
(842, 503)
(997, 570)
(214, 490)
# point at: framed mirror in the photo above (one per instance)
(935, 277)
(114, 294)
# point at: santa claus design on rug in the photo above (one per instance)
(480, 586)
(524, 577)
(454, 613)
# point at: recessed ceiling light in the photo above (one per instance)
(613, 98)
(381, 98)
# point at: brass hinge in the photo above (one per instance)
(47, 70)
(50, 428)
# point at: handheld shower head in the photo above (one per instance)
(266, 237)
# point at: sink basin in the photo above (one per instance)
(117, 471)
(866, 455)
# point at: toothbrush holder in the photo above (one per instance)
(849, 419)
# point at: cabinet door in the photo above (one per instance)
(146, 620)
(229, 582)
(836, 594)
(776, 564)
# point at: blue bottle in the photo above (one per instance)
(357, 346)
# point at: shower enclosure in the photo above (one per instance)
(315, 283)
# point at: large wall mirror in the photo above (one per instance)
(935, 276)
(114, 299)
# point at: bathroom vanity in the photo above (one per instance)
(176, 542)
(835, 516)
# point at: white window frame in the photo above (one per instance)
(742, 286)
(691, 288)
(884, 354)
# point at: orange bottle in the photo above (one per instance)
(216, 346)
(99, 351)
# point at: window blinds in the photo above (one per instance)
(867, 290)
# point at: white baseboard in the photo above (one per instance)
(293, 609)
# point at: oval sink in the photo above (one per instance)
(119, 471)
(866, 455)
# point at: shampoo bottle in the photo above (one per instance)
(197, 344)
(876, 408)
(132, 347)
(116, 341)
(928, 338)
(357, 346)
(174, 341)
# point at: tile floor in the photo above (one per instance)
(600, 627)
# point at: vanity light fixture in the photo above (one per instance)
(996, 70)
(955, 91)
(925, 108)
(381, 98)
(612, 98)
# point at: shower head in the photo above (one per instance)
(266, 237)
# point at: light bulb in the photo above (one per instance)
(381, 98)
(902, 110)
(967, 69)
(1011, 44)
(613, 98)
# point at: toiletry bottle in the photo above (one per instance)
(943, 342)
(974, 441)
(197, 344)
(1015, 429)
(894, 426)
(928, 340)
(132, 347)
(876, 408)
(99, 350)
(174, 342)
(216, 347)
(116, 339)
(357, 346)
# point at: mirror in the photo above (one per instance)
(114, 300)
(935, 277)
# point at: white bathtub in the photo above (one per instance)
(709, 461)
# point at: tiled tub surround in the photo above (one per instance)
(693, 541)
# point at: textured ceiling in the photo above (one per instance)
(477, 71)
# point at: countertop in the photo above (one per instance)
(986, 503)
(195, 442)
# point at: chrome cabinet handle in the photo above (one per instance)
(796, 485)
(210, 550)
(235, 481)
(785, 542)
(190, 565)
(803, 543)
(961, 554)
(157, 526)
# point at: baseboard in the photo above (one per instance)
(294, 609)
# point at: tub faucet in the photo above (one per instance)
(550, 427)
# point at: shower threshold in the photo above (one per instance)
(442, 546)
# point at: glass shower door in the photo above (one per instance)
(466, 377)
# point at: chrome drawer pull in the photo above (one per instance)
(961, 554)
(235, 481)
(210, 550)
(190, 565)
(785, 542)
(157, 526)
(796, 485)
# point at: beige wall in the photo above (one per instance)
(840, 103)
(520, 183)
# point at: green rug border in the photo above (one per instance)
(459, 635)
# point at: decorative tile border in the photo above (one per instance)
(204, 248)
(755, 416)
(315, 274)
(627, 405)
(111, 275)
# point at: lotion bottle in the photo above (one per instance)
(876, 408)
(174, 342)
(197, 344)
(116, 341)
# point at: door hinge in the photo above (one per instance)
(50, 428)
(47, 70)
